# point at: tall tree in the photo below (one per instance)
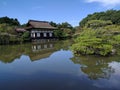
(9, 21)
(111, 15)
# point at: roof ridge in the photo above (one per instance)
(38, 21)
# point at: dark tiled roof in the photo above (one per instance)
(20, 30)
(39, 24)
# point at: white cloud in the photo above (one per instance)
(106, 3)
(114, 79)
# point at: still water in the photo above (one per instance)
(52, 66)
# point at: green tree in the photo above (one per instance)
(5, 28)
(92, 42)
(64, 30)
(9, 21)
(59, 34)
(26, 36)
(97, 24)
(65, 25)
(53, 24)
(112, 15)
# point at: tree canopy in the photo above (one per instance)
(100, 34)
(9, 21)
(64, 30)
(97, 24)
(111, 15)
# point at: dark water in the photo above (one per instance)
(52, 66)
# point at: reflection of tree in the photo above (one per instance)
(95, 67)
(35, 51)
(10, 52)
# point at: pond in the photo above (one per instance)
(52, 66)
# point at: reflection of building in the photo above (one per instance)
(42, 50)
(39, 47)
(35, 51)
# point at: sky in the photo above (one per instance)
(71, 11)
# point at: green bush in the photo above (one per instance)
(97, 24)
(25, 36)
(92, 42)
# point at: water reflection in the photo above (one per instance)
(39, 47)
(96, 67)
(52, 66)
(35, 51)
(114, 80)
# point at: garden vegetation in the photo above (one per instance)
(100, 34)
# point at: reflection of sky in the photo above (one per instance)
(113, 81)
(58, 62)
(55, 70)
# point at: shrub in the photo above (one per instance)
(90, 42)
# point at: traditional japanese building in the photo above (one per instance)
(20, 30)
(40, 29)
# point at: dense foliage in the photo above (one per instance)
(25, 36)
(97, 38)
(94, 24)
(111, 15)
(8, 33)
(5, 28)
(9, 21)
(100, 34)
(64, 30)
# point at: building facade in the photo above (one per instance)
(40, 30)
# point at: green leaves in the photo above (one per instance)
(94, 24)
(5, 28)
(65, 30)
(26, 36)
(112, 15)
(93, 42)
(9, 21)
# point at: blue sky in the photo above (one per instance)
(72, 11)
